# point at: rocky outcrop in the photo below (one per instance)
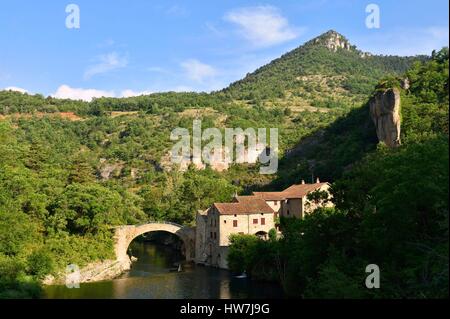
(334, 41)
(385, 113)
(98, 271)
(109, 170)
(405, 84)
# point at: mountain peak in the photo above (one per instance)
(331, 33)
(333, 41)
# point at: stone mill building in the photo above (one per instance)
(254, 215)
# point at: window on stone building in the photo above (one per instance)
(224, 221)
(211, 235)
(235, 223)
(263, 221)
(288, 211)
(255, 221)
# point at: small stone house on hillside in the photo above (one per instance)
(255, 214)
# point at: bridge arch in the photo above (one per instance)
(124, 235)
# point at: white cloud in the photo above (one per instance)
(67, 92)
(198, 71)
(16, 89)
(262, 25)
(106, 63)
(131, 93)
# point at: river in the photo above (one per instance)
(151, 278)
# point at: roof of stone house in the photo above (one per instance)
(270, 195)
(242, 198)
(245, 205)
(301, 190)
(256, 203)
(294, 191)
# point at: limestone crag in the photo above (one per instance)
(334, 41)
(385, 113)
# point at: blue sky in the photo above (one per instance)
(126, 48)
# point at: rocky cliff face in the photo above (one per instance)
(333, 41)
(385, 113)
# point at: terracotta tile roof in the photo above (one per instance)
(242, 199)
(300, 190)
(294, 191)
(270, 195)
(229, 208)
(245, 205)
(250, 199)
(256, 203)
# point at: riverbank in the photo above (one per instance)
(110, 269)
(150, 277)
(93, 272)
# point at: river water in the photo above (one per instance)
(151, 278)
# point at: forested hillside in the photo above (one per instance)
(391, 210)
(345, 74)
(70, 170)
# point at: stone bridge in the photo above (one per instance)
(124, 235)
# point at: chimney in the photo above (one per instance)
(303, 182)
(317, 180)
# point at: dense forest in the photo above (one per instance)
(391, 210)
(71, 170)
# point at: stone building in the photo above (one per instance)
(245, 215)
(293, 201)
(254, 215)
